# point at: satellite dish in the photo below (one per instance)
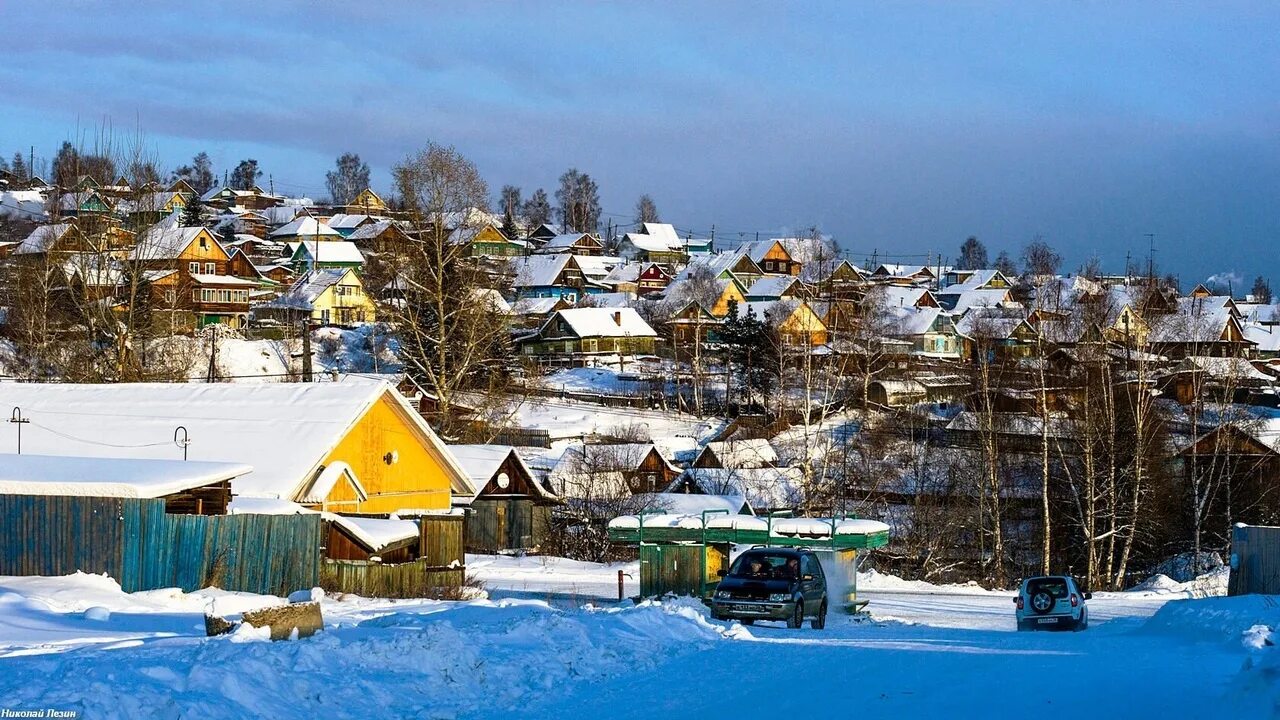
(503, 481)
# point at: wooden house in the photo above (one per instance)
(367, 202)
(353, 446)
(794, 321)
(486, 241)
(690, 328)
(187, 271)
(307, 255)
(511, 509)
(736, 454)
(652, 278)
(586, 331)
(771, 256)
(332, 296)
(574, 244)
(382, 236)
(601, 469)
(548, 276)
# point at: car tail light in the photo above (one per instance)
(1075, 600)
(1019, 601)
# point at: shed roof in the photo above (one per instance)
(109, 477)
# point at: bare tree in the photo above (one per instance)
(452, 338)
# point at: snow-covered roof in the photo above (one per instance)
(896, 296)
(1266, 337)
(752, 453)
(342, 221)
(375, 533)
(166, 240)
(22, 204)
(689, 503)
(604, 322)
(564, 243)
(304, 292)
(482, 462)
(538, 270)
(764, 488)
(42, 238)
(653, 243)
(627, 272)
(714, 264)
(772, 286)
(332, 251)
(109, 477)
(757, 249)
(534, 306)
(371, 230)
(305, 226)
(612, 300)
(978, 298)
(283, 430)
(597, 267)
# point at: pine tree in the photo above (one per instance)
(192, 214)
(19, 168)
(509, 201)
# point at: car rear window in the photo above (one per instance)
(1056, 587)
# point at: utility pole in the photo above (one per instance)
(212, 375)
(17, 419)
(306, 349)
(1151, 255)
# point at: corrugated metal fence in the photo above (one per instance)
(135, 542)
(1255, 560)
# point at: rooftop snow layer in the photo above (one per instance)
(109, 477)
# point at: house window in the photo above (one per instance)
(210, 268)
(204, 244)
(170, 296)
(193, 268)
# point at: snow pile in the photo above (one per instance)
(1211, 584)
(1185, 567)
(1215, 620)
(454, 659)
(876, 581)
(1260, 675)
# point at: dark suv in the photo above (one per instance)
(773, 584)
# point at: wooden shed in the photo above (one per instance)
(511, 510)
(1255, 560)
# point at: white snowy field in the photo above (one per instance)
(79, 643)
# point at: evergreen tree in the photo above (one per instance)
(1005, 264)
(66, 166)
(193, 213)
(750, 352)
(509, 201)
(19, 168)
(1261, 291)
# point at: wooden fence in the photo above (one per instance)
(143, 548)
(405, 580)
(1255, 560)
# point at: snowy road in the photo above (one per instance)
(949, 653)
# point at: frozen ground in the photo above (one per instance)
(79, 643)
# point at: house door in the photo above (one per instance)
(500, 537)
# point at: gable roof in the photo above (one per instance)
(603, 322)
(538, 270)
(482, 463)
(284, 430)
(166, 240)
(333, 251)
(309, 286)
(304, 226)
(42, 238)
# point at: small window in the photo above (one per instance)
(210, 268)
(193, 268)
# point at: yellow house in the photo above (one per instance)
(730, 291)
(796, 322)
(332, 296)
(352, 446)
(367, 202)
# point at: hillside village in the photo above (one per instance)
(994, 416)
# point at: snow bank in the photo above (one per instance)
(466, 658)
(1211, 584)
(1219, 620)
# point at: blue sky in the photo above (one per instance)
(900, 128)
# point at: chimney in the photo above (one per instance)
(617, 317)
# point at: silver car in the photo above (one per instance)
(1052, 602)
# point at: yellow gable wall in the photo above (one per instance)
(211, 250)
(416, 480)
(731, 293)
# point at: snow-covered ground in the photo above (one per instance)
(79, 643)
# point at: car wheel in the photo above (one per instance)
(1042, 602)
(797, 617)
(820, 620)
(1083, 622)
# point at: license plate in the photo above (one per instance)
(1047, 621)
